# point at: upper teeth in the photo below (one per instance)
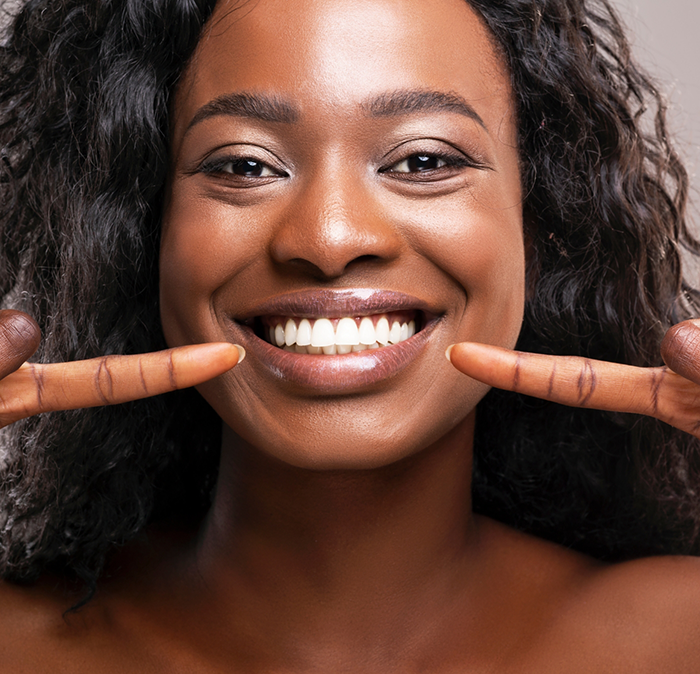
(317, 336)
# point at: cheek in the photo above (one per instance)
(492, 269)
(477, 241)
(200, 250)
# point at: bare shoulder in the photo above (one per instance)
(640, 616)
(41, 633)
(32, 621)
(637, 616)
(662, 593)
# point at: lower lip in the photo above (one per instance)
(338, 374)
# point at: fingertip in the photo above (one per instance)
(241, 353)
(20, 337)
(21, 331)
(212, 353)
(680, 349)
(448, 351)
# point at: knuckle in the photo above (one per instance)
(171, 371)
(142, 378)
(586, 383)
(104, 383)
(40, 384)
(657, 380)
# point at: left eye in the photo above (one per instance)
(418, 163)
(248, 168)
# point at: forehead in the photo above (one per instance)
(338, 54)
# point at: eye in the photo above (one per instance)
(418, 163)
(245, 167)
(428, 167)
(248, 168)
(243, 171)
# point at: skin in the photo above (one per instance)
(337, 221)
(341, 536)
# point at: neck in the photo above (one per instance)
(323, 547)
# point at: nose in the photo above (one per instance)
(332, 225)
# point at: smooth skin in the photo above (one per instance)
(341, 538)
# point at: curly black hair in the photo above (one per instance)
(84, 92)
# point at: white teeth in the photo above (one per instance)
(367, 333)
(382, 331)
(347, 334)
(304, 333)
(395, 334)
(290, 333)
(346, 337)
(323, 333)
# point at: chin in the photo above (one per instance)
(362, 444)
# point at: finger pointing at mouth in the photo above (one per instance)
(35, 388)
(582, 382)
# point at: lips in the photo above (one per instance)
(337, 341)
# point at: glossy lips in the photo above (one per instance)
(337, 341)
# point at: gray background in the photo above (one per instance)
(665, 37)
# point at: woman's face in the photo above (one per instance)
(343, 159)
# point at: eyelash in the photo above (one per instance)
(217, 165)
(449, 163)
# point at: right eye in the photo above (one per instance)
(247, 169)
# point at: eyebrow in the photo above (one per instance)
(266, 108)
(404, 102)
(253, 106)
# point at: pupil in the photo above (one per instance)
(247, 167)
(422, 162)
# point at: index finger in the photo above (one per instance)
(583, 382)
(35, 388)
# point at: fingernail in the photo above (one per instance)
(241, 353)
(448, 351)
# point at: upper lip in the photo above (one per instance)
(336, 304)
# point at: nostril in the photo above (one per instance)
(310, 269)
(364, 258)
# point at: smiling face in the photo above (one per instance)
(354, 160)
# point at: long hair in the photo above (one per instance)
(84, 93)
(605, 211)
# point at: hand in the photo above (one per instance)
(670, 393)
(28, 388)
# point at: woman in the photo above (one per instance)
(471, 172)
